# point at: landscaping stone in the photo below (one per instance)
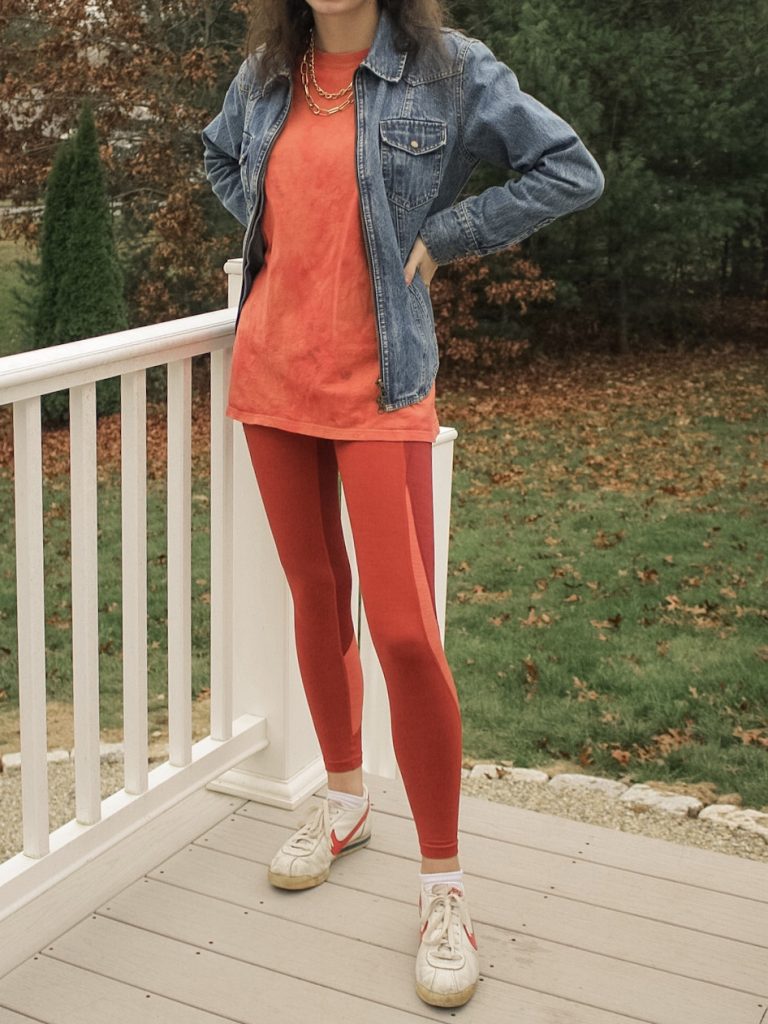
(485, 771)
(565, 780)
(525, 775)
(111, 752)
(738, 817)
(12, 761)
(641, 795)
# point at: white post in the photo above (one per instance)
(265, 667)
(265, 670)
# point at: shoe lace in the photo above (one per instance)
(318, 823)
(446, 913)
(309, 830)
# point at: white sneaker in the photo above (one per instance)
(331, 831)
(447, 964)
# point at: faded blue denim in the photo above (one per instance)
(422, 127)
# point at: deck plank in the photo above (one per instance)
(55, 992)
(62, 904)
(577, 925)
(351, 980)
(550, 925)
(553, 874)
(676, 862)
(11, 1017)
(249, 945)
(204, 979)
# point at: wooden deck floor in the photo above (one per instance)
(576, 925)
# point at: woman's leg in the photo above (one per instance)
(388, 489)
(298, 480)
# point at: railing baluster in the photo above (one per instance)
(85, 600)
(99, 825)
(221, 549)
(30, 602)
(179, 562)
(133, 441)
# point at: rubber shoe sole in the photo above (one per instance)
(450, 999)
(309, 881)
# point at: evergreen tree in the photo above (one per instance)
(55, 231)
(80, 289)
(675, 108)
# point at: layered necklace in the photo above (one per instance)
(308, 72)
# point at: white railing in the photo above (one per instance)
(261, 744)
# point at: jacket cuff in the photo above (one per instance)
(447, 234)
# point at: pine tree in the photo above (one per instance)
(80, 290)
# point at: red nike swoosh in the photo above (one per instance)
(337, 845)
(471, 936)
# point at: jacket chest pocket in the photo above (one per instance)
(411, 159)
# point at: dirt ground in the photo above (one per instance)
(61, 729)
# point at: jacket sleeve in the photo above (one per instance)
(222, 138)
(503, 125)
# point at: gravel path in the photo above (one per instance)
(591, 807)
(61, 794)
(597, 809)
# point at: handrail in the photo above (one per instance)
(40, 371)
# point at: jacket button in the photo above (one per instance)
(414, 143)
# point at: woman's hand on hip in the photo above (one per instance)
(420, 260)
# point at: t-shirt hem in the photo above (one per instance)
(340, 433)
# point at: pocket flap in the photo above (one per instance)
(412, 134)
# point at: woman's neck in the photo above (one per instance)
(349, 31)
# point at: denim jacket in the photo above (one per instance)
(421, 129)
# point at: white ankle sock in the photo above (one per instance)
(350, 800)
(453, 877)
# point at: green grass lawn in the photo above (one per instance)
(607, 596)
(58, 601)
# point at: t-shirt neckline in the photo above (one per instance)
(332, 56)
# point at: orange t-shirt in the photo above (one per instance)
(306, 355)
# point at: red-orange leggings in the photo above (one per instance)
(388, 489)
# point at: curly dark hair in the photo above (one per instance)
(282, 27)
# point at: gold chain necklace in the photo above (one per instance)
(310, 65)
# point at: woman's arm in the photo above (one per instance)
(503, 125)
(222, 138)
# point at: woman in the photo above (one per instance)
(342, 144)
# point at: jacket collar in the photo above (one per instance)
(382, 58)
